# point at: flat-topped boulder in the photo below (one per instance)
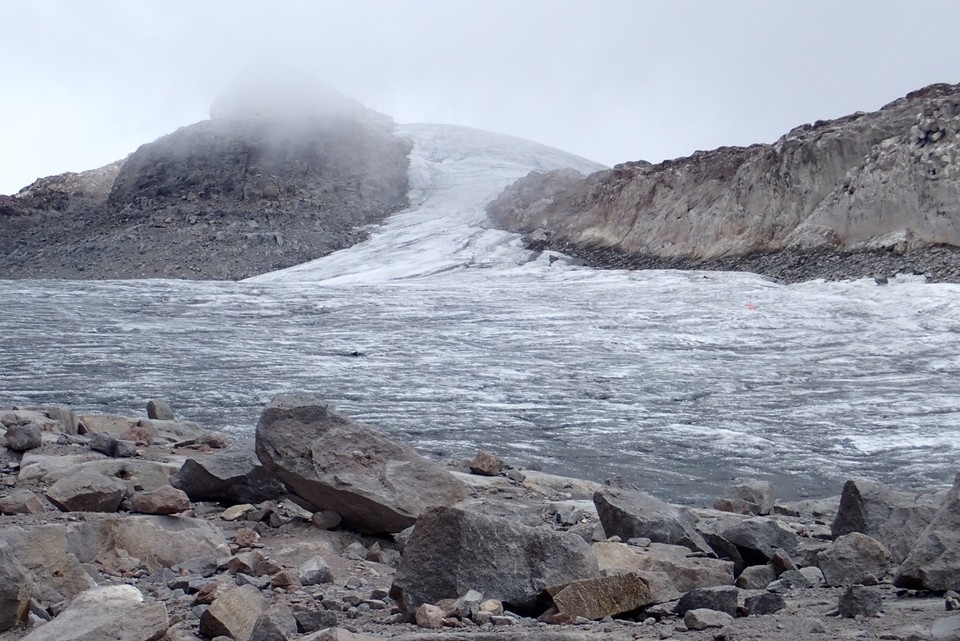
(334, 463)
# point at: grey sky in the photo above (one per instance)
(85, 83)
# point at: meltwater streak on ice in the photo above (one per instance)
(678, 381)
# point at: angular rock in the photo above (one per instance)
(233, 614)
(859, 600)
(781, 562)
(852, 557)
(486, 464)
(633, 514)
(325, 519)
(43, 562)
(934, 562)
(760, 493)
(684, 572)
(896, 519)
(765, 603)
(704, 618)
(759, 538)
(374, 484)
(163, 500)
(756, 577)
(115, 612)
(14, 599)
(604, 596)
(429, 616)
(312, 620)
(21, 438)
(87, 492)
(722, 598)
(159, 541)
(158, 409)
(21, 502)
(314, 571)
(453, 551)
(277, 623)
(232, 476)
(107, 423)
(338, 634)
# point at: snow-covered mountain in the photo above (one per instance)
(454, 173)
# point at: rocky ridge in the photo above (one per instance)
(185, 536)
(276, 177)
(867, 194)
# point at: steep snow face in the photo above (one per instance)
(454, 173)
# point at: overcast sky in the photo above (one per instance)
(83, 83)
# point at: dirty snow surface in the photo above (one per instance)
(450, 336)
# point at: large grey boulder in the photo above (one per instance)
(87, 491)
(452, 552)
(334, 463)
(894, 518)
(633, 514)
(232, 476)
(21, 438)
(115, 612)
(934, 562)
(160, 410)
(851, 558)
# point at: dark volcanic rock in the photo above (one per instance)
(452, 552)
(233, 476)
(722, 598)
(264, 184)
(373, 483)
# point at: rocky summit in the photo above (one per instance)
(282, 173)
(870, 194)
(181, 535)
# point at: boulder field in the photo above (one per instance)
(324, 529)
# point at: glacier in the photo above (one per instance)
(450, 336)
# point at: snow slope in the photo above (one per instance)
(454, 173)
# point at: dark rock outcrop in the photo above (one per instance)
(884, 182)
(278, 176)
(333, 463)
(452, 552)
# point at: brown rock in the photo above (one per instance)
(163, 500)
(246, 538)
(22, 502)
(604, 596)
(429, 616)
(486, 464)
(325, 519)
(233, 614)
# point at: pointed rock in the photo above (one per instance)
(896, 519)
(232, 475)
(374, 484)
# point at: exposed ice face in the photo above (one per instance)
(454, 173)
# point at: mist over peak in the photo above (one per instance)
(278, 93)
